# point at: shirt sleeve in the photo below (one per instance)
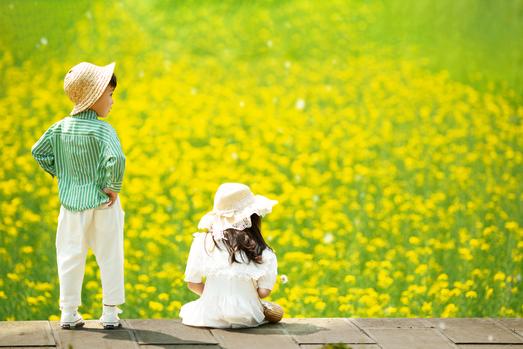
(270, 265)
(194, 271)
(113, 162)
(42, 152)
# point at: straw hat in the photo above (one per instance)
(85, 83)
(234, 203)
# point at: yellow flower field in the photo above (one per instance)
(399, 187)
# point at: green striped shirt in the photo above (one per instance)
(86, 156)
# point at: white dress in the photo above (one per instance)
(229, 298)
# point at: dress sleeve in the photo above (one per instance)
(270, 265)
(194, 271)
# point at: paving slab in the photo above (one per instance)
(365, 323)
(490, 346)
(476, 331)
(513, 324)
(410, 338)
(351, 346)
(92, 335)
(325, 330)
(179, 346)
(31, 347)
(26, 333)
(263, 337)
(166, 331)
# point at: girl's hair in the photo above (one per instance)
(113, 82)
(249, 241)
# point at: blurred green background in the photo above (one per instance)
(478, 41)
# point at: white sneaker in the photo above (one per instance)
(110, 319)
(71, 319)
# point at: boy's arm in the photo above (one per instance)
(114, 163)
(42, 151)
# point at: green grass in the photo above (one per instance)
(479, 42)
(39, 30)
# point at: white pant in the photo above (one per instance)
(101, 229)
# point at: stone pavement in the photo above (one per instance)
(311, 333)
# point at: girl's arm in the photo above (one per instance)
(196, 287)
(263, 292)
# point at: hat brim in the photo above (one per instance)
(102, 81)
(261, 206)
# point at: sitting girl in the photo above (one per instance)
(238, 266)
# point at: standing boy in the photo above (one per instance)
(85, 154)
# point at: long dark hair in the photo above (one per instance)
(249, 241)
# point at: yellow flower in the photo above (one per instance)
(426, 307)
(92, 285)
(27, 249)
(391, 310)
(32, 300)
(465, 253)
(421, 269)
(489, 292)
(474, 243)
(13, 277)
(450, 310)
(384, 280)
(156, 306)
(319, 305)
(471, 294)
(500, 276)
(414, 240)
(143, 278)
(443, 277)
(350, 279)
(174, 307)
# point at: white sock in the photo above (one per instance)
(109, 308)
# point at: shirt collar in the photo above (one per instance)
(86, 114)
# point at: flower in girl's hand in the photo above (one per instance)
(284, 279)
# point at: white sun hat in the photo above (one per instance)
(85, 83)
(234, 203)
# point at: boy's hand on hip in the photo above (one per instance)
(112, 196)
